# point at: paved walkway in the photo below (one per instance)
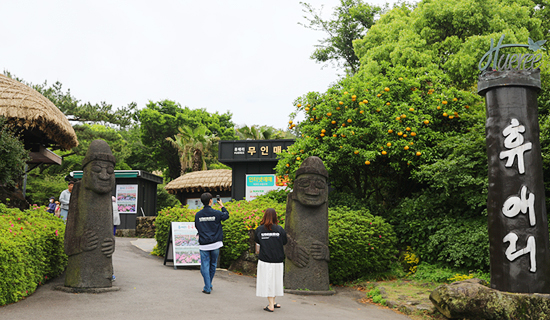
(150, 290)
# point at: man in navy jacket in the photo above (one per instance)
(209, 225)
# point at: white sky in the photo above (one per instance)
(249, 57)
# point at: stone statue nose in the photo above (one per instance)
(311, 190)
(103, 175)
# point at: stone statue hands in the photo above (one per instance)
(89, 241)
(296, 253)
(319, 251)
(108, 247)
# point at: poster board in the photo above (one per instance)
(126, 198)
(259, 184)
(185, 244)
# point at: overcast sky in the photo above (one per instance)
(248, 57)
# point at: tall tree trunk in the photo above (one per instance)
(197, 160)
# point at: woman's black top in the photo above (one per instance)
(271, 243)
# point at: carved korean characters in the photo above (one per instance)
(518, 228)
(306, 225)
(89, 240)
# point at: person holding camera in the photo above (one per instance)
(209, 226)
(271, 237)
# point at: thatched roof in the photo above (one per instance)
(27, 109)
(201, 181)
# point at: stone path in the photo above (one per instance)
(151, 290)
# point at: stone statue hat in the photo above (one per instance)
(313, 165)
(98, 150)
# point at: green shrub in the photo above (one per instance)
(440, 232)
(243, 216)
(278, 195)
(440, 273)
(165, 199)
(359, 244)
(31, 251)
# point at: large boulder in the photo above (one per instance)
(470, 299)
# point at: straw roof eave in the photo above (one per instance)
(201, 181)
(27, 109)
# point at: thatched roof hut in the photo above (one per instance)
(189, 187)
(201, 181)
(39, 119)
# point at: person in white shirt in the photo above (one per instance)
(64, 199)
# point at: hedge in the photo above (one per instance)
(31, 251)
(243, 216)
(359, 243)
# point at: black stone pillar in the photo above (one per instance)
(518, 228)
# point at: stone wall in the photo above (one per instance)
(145, 227)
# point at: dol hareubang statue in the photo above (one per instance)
(306, 225)
(89, 240)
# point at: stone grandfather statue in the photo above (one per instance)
(89, 240)
(306, 225)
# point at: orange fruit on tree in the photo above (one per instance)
(349, 120)
(398, 118)
(426, 121)
(411, 109)
(345, 92)
(411, 143)
(400, 133)
(356, 151)
(451, 117)
(400, 79)
(444, 102)
(361, 112)
(406, 147)
(329, 114)
(365, 101)
(378, 95)
(444, 114)
(290, 122)
(418, 153)
(367, 162)
(333, 122)
(456, 113)
(340, 147)
(311, 119)
(288, 165)
(343, 135)
(408, 129)
(307, 109)
(340, 103)
(314, 109)
(388, 144)
(455, 99)
(403, 116)
(322, 134)
(323, 131)
(387, 103)
(298, 158)
(337, 108)
(413, 134)
(384, 153)
(377, 109)
(390, 131)
(467, 106)
(354, 97)
(343, 124)
(438, 107)
(334, 135)
(404, 136)
(386, 89)
(299, 105)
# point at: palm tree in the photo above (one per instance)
(256, 132)
(192, 146)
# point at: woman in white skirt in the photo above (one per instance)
(269, 276)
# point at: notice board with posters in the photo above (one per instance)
(185, 244)
(127, 198)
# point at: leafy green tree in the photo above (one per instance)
(350, 21)
(160, 120)
(406, 131)
(13, 156)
